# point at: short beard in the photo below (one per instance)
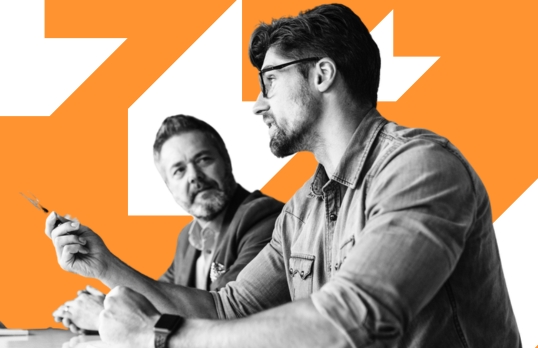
(283, 144)
(207, 210)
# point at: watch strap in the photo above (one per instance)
(167, 325)
(161, 339)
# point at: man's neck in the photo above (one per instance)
(335, 131)
(214, 223)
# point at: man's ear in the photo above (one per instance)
(325, 74)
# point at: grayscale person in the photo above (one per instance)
(389, 244)
(230, 226)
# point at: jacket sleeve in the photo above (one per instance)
(168, 276)
(171, 274)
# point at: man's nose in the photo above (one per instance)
(194, 174)
(261, 105)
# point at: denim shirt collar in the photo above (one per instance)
(349, 168)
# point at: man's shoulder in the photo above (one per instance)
(427, 145)
(402, 134)
(257, 200)
(256, 213)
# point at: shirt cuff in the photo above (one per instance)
(218, 305)
(357, 316)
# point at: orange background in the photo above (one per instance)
(480, 94)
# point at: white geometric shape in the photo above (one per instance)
(398, 74)
(517, 235)
(204, 82)
(36, 74)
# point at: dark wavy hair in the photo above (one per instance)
(332, 31)
(179, 124)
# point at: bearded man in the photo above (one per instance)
(230, 226)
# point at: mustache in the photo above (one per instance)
(202, 185)
(268, 118)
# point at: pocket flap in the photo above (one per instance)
(302, 265)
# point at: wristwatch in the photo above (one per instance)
(165, 326)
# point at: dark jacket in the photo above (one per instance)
(247, 227)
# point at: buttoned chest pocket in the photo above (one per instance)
(345, 248)
(302, 273)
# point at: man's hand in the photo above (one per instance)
(128, 319)
(78, 249)
(81, 315)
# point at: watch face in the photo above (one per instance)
(168, 323)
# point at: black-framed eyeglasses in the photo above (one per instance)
(264, 83)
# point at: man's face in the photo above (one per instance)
(290, 109)
(196, 174)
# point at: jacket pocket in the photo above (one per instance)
(301, 271)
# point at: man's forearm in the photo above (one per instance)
(167, 298)
(296, 324)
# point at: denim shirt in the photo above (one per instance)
(396, 249)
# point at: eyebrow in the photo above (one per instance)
(202, 153)
(196, 156)
(175, 165)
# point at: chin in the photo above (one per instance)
(207, 206)
(281, 148)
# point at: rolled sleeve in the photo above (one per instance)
(419, 209)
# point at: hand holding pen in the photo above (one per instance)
(78, 248)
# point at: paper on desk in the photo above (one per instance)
(13, 332)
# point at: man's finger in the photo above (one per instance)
(49, 224)
(68, 253)
(58, 312)
(80, 292)
(74, 329)
(90, 289)
(66, 321)
(73, 249)
(65, 228)
(64, 240)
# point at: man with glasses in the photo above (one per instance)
(390, 243)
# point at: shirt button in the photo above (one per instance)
(291, 270)
(302, 273)
(332, 217)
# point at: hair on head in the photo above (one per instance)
(180, 124)
(332, 31)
